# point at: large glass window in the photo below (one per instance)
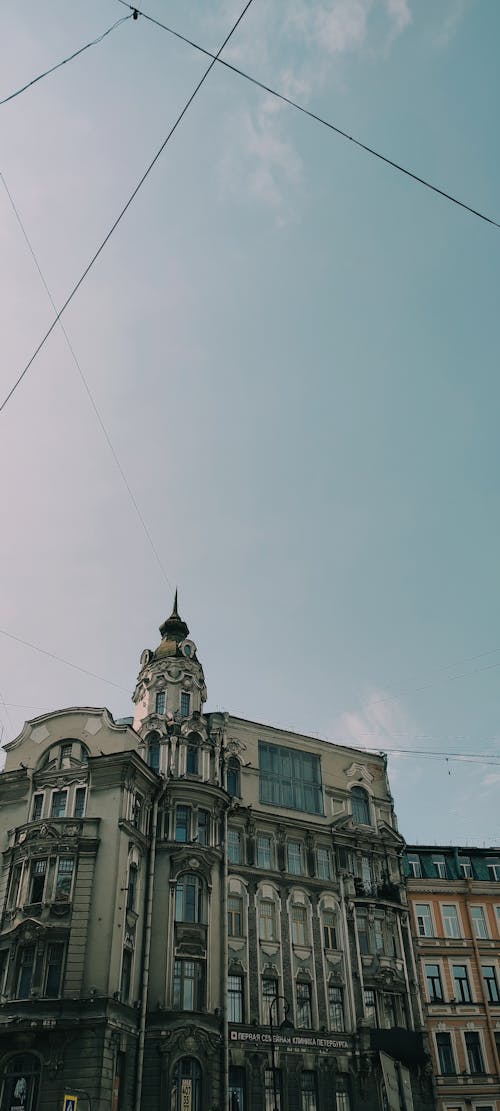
(360, 806)
(491, 983)
(474, 1051)
(64, 878)
(235, 916)
(58, 808)
(235, 998)
(335, 1008)
(186, 1086)
(189, 899)
(290, 778)
(264, 857)
(445, 1054)
(299, 925)
(434, 985)
(451, 921)
(20, 1081)
(183, 823)
(308, 1091)
(295, 858)
(479, 923)
(185, 704)
(461, 982)
(323, 863)
(267, 921)
(188, 985)
(234, 846)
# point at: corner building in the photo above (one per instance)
(201, 913)
(454, 895)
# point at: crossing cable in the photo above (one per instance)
(88, 391)
(58, 65)
(123, 210)
(313, 116)
(61, 660)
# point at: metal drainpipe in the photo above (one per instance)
(347, 954)
(225, 1094)
(479, 974)
(147, 953)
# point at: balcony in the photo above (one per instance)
(387, 891)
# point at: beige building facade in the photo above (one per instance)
(199, 912)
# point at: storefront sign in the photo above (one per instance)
(300, 1042)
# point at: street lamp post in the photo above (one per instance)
(285, 1025)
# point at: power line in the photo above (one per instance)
(88, 390)
(123, 210)
(65, 60)
(61, 660)
(313, 116)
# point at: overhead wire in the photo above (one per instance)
(64, 62)
(125, 208)
(88, 391)
(314, 116)
(62, 660)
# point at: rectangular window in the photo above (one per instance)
(4, 960)
(295, 863)
(53, 970)
(323, 864)
(185, 704)
(290, 778)
(132, 887)
(304, 1006)
(299, 925)
(192, 760)
(182, 823)
(235, 916)
(445, 1055)
(363, 937)
(64, 879)
(434, 985)
(267, 924)
(235, 998)
(342, 1097)
(37, 881)
(474, 1052)
(236, 1088)
(461, 982)
(80, 797)
(58, 808)
(272, 1090)
(335, 1008)
(451, 921)
(479, 922)
(188, 985)
(203, 827)
(440, 866)
(329, 930)
(66, 752)
(370, 1006)
(308, 1091)
(15, 885)
(26, 967)
(264, 859)
(414, 865)
(424, 920)
(234, 846)
(491, 983)
(465, 866)
(37, 807)
(126, 976)
(269, 994)
(160, 702)
(493, 866)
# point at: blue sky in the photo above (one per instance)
(294, 350)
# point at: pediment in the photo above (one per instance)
(360, 771)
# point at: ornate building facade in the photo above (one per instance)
(199, 913)
(454, 894)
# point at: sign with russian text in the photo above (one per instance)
(186, 1089)
(298, 1042)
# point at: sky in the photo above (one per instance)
(293, 350)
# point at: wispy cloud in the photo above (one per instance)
(455, 15)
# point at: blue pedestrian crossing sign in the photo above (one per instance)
(70, 1103)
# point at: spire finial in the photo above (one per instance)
(174, 627)
(174, 611)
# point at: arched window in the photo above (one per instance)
(154, 751)
(20, 1082)
(360, 806)
(186, 1085)
(189, 898)
(233, 777)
